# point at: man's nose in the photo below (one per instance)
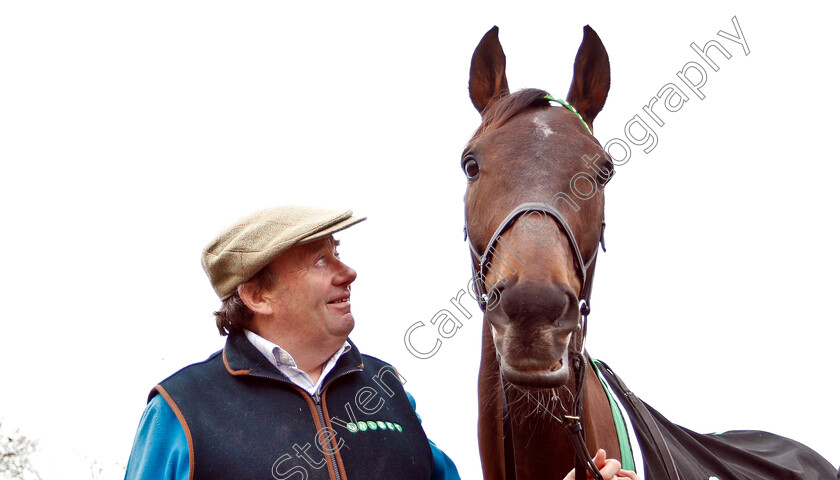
(346, 275)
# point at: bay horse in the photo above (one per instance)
(534, 209)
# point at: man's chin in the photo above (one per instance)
(344, 325)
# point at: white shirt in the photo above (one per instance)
(287, 366)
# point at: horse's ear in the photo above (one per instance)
(591, 80)
(487, 71)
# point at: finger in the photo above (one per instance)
(627, 475)
(611, 468)
(600, 458)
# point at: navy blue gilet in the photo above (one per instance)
(245, 420)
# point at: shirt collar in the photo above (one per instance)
(284, 362)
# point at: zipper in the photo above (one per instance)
(317, 400)
(323, 419)
(318, 408)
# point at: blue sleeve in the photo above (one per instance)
(443, 467)
(160, 450)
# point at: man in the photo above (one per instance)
(289, 396)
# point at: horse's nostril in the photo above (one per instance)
(535, 304)
(495, 293)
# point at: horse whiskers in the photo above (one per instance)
(547, 404)
(537, 402)
(556, 399)
(544, 407)
(496, 390)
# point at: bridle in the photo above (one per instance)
(586, 269)
(572, 419)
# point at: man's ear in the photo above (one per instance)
(254, 298)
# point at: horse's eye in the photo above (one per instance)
(609, 170)
(470, 166)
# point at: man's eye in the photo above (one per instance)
(321, 261)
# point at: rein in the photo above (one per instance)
(571, 420)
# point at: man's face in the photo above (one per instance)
(311, 294)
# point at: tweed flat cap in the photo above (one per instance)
(241, 250)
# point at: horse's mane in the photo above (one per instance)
(508, 106)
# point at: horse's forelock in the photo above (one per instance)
(508, 106)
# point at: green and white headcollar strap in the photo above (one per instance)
(570, 108)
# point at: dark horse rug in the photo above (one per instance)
(672, 452)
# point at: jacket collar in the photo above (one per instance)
(241, 358)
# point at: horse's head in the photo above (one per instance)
(534, 208)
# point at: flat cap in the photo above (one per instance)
(244, 248)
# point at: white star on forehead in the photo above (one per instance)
(546, 130)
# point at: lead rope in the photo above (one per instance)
(574, 428)
(583, 462)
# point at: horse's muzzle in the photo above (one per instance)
(555, 376)
(532, 327)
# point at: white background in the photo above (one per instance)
(131, 132)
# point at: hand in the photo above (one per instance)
(610, 469)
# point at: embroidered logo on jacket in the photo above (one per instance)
(363, 426)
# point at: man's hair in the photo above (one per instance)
(234, 315)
